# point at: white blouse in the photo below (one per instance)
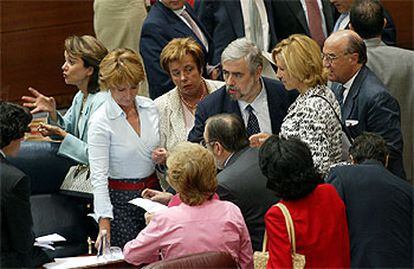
(117, 151)
(312, 120)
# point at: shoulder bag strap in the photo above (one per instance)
(344, 129)
(289, 226)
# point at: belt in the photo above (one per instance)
(148, 182)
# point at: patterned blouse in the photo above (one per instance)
(311, 119)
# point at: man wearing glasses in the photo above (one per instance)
(366, 105)
(240, 181)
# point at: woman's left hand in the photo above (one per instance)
(159, 155)
(48, 130)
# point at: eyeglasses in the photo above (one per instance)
(329, 57)
(206, 143)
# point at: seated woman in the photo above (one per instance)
(312, 116)
(17, 237)
(317, 211)
(83, 55)
(200, 223)
(183, 60)
(122, 134)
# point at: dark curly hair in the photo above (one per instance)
(369, 146)
(289, 168)
(14, 122)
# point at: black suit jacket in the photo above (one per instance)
(224, 21)
(242, 183)
(219, 102)
(371, 104)
(17, 237)
(160, 27)
(289, 17)
(379, 208)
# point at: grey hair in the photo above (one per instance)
(243, 48)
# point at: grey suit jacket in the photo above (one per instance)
(395, 68)
(242, 183)
(373, 109)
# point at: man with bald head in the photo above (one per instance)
(366, 104)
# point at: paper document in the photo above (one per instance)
(148, 205)
(45, 245)
(82, 262)
(50, 238)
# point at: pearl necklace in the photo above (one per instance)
(203, 94)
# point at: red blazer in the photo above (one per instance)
(321, 231)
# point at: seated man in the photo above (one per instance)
(17, 238)
(262, 103)
(241, 180)
(379, 206)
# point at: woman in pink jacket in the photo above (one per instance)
(199, 223)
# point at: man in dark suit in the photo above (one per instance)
(16, 219)
(167, 20)
(290, 17)
(389, 34)
(366, 104)
(241, 180)
(262, 103)
(379, 207)
(226, 21)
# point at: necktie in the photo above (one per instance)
(194, 27)
(256, 30)
(341, 95)
(315, 21)
(252, 122)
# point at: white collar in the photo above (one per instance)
(114, 110)
(348, 84)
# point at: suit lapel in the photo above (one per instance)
(353, 93)
(328, 13)
(234, 12)
(231, 106)
(177, 115)
(298, 12)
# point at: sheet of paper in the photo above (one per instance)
(148, 205)
(79, 262)
(45, 245)
(50, 238)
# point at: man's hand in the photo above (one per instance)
(157, 196)
(257, 140)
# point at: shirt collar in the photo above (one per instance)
(2, 153)
(258, 101)
(348, 84)
(177, 12)
(115, 111)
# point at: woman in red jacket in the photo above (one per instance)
(317, 211)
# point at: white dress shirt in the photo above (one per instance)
(117, 151)
(260, 110)
(348, 85)
(263, 18)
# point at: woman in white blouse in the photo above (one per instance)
(122, 135)
(311, 118)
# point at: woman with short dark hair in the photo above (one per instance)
(317, 211)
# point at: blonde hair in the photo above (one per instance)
(302, 57)
(91, 51)
(121, 67)
(177, 49)
(192, 173)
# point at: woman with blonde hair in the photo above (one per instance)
(314, 116)
(83, 55)
(122, 135)
(200, 223)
